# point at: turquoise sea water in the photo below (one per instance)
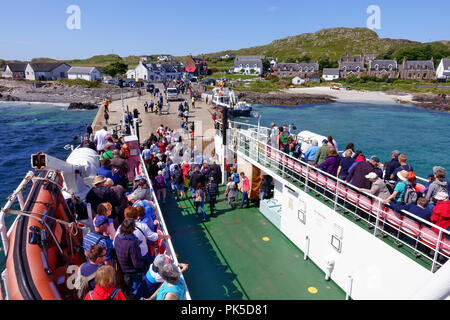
(376, 129)
(29, 129)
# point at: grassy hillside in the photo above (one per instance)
(321, 45)
(331, 43)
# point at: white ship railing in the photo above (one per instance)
(385, 222)
(162, 227)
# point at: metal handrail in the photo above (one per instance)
(375, 200)
(162, 224)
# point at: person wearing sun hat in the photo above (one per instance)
(378, 187)
(400, 187)
(101, 193)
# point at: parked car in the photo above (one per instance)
(172, 94)
(112, 81)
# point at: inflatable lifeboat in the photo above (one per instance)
(45, 241)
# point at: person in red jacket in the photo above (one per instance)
(104, 286)
(441, 215)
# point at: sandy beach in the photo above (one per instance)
(343, 95)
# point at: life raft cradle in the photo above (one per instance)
(72, 226)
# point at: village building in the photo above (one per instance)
(248, 65)
(347, 57)
(85, 73)
(196, 66)
(330, 74)
(369, 57)
(297, 80)
(165, 57)
(380, 68)
(46, 71)
(417, 69)
(348, 68)
(302, 70)
(443, 70)
(156, 72)
(15, 70)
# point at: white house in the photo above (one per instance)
(443, 69)
(248, 64)
(165, 57)
(330, 74)
(15, 70)
(131, 74)
(157, 72)
(85, 73)
(46, 71)
(298, 80)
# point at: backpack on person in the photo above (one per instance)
(81, 283)
(410, 195)
(124, 152)
(284, 138)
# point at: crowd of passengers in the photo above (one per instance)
(394, 181)
(125, 245)
(125, 253)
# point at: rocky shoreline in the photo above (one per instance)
(55, 92)
(430, 102)
(284, 99)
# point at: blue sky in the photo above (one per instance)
(30, 29)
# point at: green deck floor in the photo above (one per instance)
(228, 258)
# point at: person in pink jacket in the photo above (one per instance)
(245, 188)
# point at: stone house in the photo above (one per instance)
(347, 57)
(379, 68)
(347, 68)
(289, 70)
(417, 69)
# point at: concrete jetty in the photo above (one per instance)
(201, 116)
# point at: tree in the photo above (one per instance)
(290, 60)
(305, 58)
(325, 62)
(116, 68)
(266, 65)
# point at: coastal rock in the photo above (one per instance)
(284, 99)
(82, 106)
(432, 101)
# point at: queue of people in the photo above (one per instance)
(394, 181)
(125, 251)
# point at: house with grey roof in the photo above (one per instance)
(289, 70)
(157, 72)
(248, 64)
(348, 68)
(369, 57)
(347, 57)
(443, 69)
(15, 70)
(46, 71)
(330, 74)
(381, 68)
(417, 69)
(85, 73)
